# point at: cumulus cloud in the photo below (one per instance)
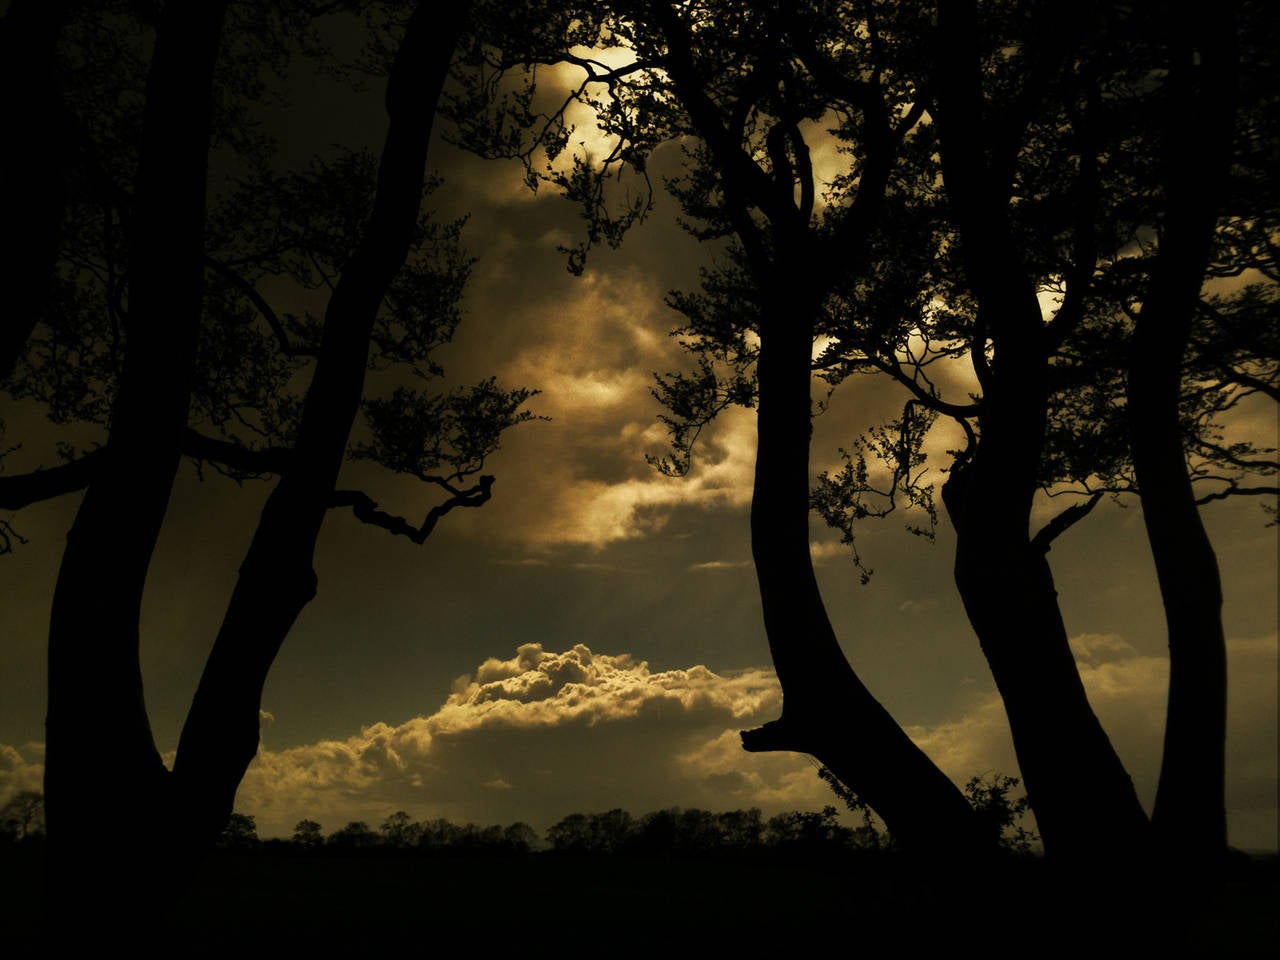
(21, 768)
(541, 734)
(536, 736)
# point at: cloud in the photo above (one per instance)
(719, 565)
(592, 512)
(541, 734)
(537, 736)
(1128, 692)
(21, 768)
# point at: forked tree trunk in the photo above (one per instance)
(103, 765)
(277, 578)
(103, 774)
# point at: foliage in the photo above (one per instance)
(277, 241)
(308, 834)
(22, 816)
(872, 833)
(240, 833)
(989, 796)
(356, 835)
(748, 91)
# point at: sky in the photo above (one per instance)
(591, 638)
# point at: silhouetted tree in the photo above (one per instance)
(308, 834)
(1030, 178)
(738, 85)
(23, 815)
(519, 837)
(356, 835)
(1047, 155)
(399, 830)
(240, 833)
(157, 325)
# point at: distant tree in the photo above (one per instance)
(240, 833)
(808, 832)
(308, 834)
(399, 830)
(611, 831)
(741, 829)
(23, 815)
(438, 834)
(356, 835)
(519, 837)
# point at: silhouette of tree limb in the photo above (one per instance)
(1063, 522)
(22, 490)
(264, 308)
(366, 510)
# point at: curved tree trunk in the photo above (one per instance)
(827, 711)
(102, 766)
(277, 578)
(1190, 809)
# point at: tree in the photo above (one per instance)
(738, 84)
(308, 834)
(356, 835)
(999, 153)
(399, 830)
(190, 337)
(1115, 73)
(240, 833)
(23, 815)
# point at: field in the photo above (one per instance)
(373, 904)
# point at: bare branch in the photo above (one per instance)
(264, 308)
(1234, 491)
(24, 489)
(1063, 522)
(366, 510)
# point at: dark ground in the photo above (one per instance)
(876, 905)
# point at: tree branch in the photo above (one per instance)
(22, 490)
(366, 510)
(1062, 522)
(264, 308)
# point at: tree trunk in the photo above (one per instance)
(103, 772)
(31, 167)
(277, 578)
(827, 711)
(1190, 809)
(1083, 798)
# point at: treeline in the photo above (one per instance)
(673, 831)
(663, 832)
